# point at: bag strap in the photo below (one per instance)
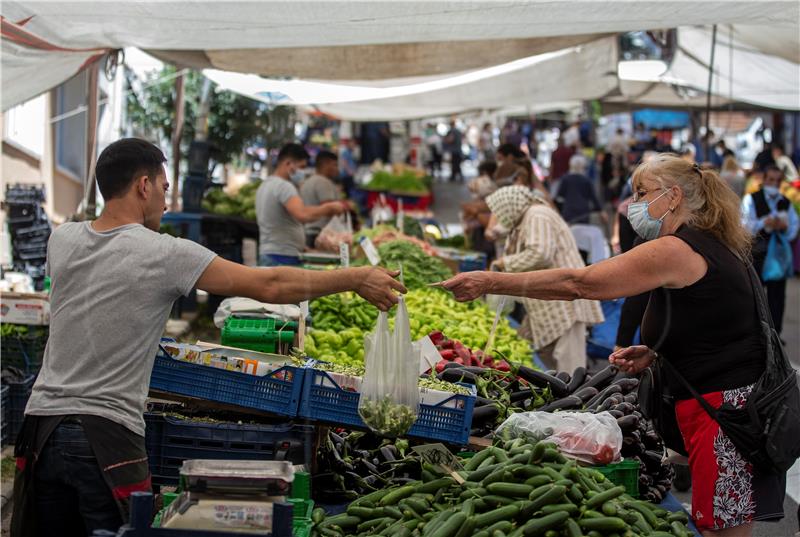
(765, 320)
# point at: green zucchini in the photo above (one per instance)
(432, 487)
(491, 517)
(538, 480)
(477, 459)
(515, 490)
(450, 526)
(603, 497)
(604, 524)
(537, 526)
(569, 508)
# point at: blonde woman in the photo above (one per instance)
(695, 258)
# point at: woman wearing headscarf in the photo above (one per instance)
(540, 239)
(701, 318)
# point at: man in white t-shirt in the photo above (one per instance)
(114, 280)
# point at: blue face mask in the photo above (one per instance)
(297, 176)
(642, 223)
(770, 190)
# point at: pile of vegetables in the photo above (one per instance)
(386, 416)
(419, 268)
(430, 310)
(500, 394)
(406, 182)
(385, 233)
(243, 203)
(512, 489)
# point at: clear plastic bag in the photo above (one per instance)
(592, 438)
(389, 400)
(338, 230)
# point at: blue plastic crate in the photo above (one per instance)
(142, 515)
(171, 440)
(470, 262)
(324, 400)
(18, 394)
(5, 402)
(277, 393)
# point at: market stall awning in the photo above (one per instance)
(742, 74)
(348, 40)
(573, 74)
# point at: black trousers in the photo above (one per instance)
(776, 300)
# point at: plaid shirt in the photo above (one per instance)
(542, 240)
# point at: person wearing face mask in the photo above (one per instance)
(701, 315)
(281, 213)
(319, 189)
(765, 213)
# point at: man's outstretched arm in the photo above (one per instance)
(287, 285)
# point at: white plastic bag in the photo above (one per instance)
(338, 229)
(389, 400)
(592, 438)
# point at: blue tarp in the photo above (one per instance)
(661, 119)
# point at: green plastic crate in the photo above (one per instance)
(301, 521)
(625, 473)
(262, 335)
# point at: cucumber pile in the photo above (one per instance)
(512, 489)
(610, 390)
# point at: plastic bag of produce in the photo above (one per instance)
(389, 394)
(338, 230)
(592, 438)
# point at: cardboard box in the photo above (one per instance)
(25, 308)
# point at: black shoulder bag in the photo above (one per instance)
(766, 430)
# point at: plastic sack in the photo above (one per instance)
(778, 263)
(389, 400)
(338, 230)
(591, 438)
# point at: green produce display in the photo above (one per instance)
(513, 489)
(419, 268)
(243, 203)
(405, 182)
(430, 383)
(429, 310)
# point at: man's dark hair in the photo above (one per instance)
(125, 160)
(510, 149)
(773, 168)
(324, 157)
(487, 167)
(293, 151)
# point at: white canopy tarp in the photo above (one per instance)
(338, 40)
(577, 73)
(742, 74)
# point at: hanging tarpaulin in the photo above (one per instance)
(32, 65)
(661, 119)
(350, 40)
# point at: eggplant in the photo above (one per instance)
(627, 384)
(521, 395)
(628, 423)
(551, 372)
(608, 404)
(616, 413)
(475, 370)
(484, 414)
(457, 375)
(578, 378)
(537, 378)
(481, 401)
(586, 393)
(602, 378)
(632, 398)
(571, 401)
(564, 376)
(595, 401)
(626, 408)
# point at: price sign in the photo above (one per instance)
(344, 254)
(369, 249)
(439, 455)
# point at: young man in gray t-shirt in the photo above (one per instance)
(281, 212)
(319, 189)
(113, 284)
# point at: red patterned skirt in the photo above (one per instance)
(726, 490)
